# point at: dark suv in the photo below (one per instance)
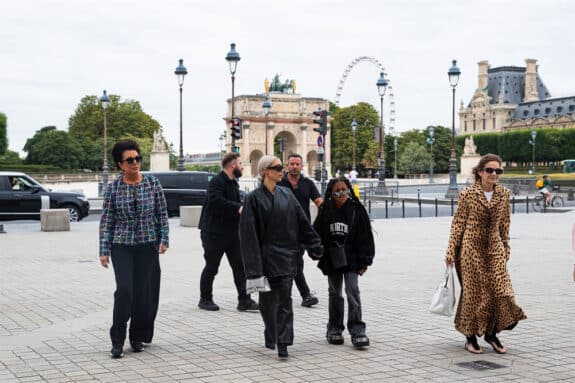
(183, 188)
(21, 198)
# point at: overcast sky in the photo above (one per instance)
(54, 52)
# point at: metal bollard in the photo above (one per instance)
(436, 208)
(45, 202)
(386, 210)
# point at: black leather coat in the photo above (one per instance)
(273, 227)
(220, 212)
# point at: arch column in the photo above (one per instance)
(246, 140)
(270, 138)
(303, 152)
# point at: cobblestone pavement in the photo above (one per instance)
(56, 300)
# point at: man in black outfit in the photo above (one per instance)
(219, 224)
(304, 190)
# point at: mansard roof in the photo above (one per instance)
(509, 82)
(550, 108)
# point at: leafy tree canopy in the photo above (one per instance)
(123, 118)
(3, 134)
(53, 147)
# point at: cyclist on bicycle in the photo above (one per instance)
(545, 187)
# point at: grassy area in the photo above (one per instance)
(553, 176)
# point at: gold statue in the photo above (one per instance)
(267, 85)
(293, 86)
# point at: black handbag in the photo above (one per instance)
(337, 254)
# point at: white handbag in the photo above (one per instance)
(443, 302)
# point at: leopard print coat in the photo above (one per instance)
(479, 245)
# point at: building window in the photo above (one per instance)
(559, 109)
(493, 127)
(536, 112)
(474, 126)
(465, 126)
(484, 123)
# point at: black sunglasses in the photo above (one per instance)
(131, 160)
(277, 168)
(492, 170)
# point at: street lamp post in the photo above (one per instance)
(267, 106)
(353, 130)
(395, 158)
(452, 191)
(430, 142)
(532, 142)
(381, 88)
(181, 72)
(105, 102)
(232, 58)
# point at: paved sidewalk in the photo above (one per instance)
(55, 312)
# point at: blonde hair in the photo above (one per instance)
(265, 161)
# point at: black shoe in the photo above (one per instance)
(335, 338)
(282, 350)
(360, 341)
(208, 304)
(248, 305)
(116, 352)
(309, 300)
(270, 345)
(137, 346)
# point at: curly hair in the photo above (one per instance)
(481, 164)
(120, 147)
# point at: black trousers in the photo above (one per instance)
(277, 312)
(299, 278)
(137, 273)
(355, 325)
(215, 245)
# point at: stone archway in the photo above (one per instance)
(290, 145)
(312, 162)
(255, 156)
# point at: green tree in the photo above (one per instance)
(414, 158)
(53, 147)
(367, 119)
(3, 134)
(123, 118)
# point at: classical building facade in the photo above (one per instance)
(290, 120)
(511, 97)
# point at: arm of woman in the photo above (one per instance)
(505, 224)
(106, 227)
(365, 240)
(457, 228)
(161, 211)
(249, 241)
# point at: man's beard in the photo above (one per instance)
(237, 173)
(295, 173)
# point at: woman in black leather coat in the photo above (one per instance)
(273, 226)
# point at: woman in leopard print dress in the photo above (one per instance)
(479, 248)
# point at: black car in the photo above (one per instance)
(21, 198)
(183, 188)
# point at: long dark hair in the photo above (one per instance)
(326, 213)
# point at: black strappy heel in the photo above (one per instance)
(472, 341)
(495, 343)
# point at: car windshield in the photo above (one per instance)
(21, 183)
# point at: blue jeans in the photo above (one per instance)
(355, 325)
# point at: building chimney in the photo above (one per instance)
(530, 80)
(482, 76)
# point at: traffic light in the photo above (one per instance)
(236, 149)
(236, 128)
(321, 121)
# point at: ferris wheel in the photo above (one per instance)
(389, 99)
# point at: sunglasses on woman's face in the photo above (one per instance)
(493, 170)
(277, 168)
(340, 193)
(131, 160)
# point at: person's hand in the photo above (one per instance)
(162, 249)
(362, 271)
(449, 261)
(316, 253)
(104, 260)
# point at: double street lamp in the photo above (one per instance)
(430, 142)
(381, 88)
(453, 73)
(232, 58)
(353, 130)
(181, 72)
(395, 158)
(267, 106)
(105, 102)
(532, 142)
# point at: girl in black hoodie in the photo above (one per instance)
(343, 222)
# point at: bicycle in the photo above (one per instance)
(540, 203)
